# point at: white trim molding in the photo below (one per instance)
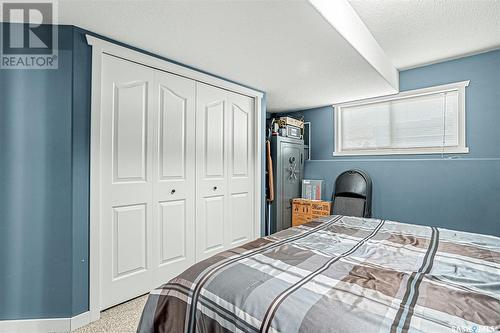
(461, 148)
(103, 46)
(80, 320)
(99, 48)
(53, 325)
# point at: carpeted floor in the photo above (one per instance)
(122, 318)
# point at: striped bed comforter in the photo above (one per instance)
(338, 274)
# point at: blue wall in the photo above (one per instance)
(459, 192)
(44, 184)
(36, 182)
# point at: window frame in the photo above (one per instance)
(461, 148)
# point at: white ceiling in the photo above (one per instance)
(285, 48)
(415, 32)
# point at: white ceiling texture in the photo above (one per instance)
(414, 33)
(302, 53)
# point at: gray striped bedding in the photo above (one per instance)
(338, 274)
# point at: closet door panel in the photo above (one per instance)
(214, 223)
(240, 169)
(240, 228)
(129, 240)
(126, 181)
(174, 176)
(214, 139)
(172, 132)
(125, 117)
(173, 232)
(211, 157)
(129, 131)
(240, 140)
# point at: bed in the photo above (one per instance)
(338, 274)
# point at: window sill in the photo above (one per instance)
(421, 151)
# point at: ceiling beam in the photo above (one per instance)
(343, 18)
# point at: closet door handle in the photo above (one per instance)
(215, 188)
(173, 191)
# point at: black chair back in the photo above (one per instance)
(353, 194)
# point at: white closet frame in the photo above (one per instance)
(100, 47)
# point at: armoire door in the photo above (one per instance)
(292, 159)
(224, 186)
(173, 176)
(126, 180)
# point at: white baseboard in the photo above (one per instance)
(52, 325)
(58, 325)
(80, 320)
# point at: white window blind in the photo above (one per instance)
(430, 120)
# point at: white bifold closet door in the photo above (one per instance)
(173, 176)
(147, 178)
(224, 168)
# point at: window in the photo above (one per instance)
(423, 121)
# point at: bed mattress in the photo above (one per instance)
(338, 274)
